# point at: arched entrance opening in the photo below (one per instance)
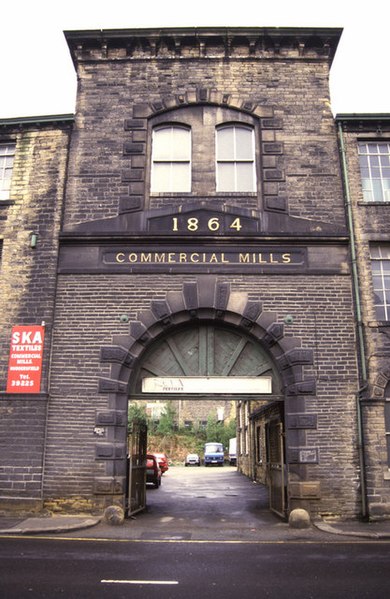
(219, 338)
(205, 367)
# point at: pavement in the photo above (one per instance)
(145, 527)
(221, 506)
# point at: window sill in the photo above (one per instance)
(7, 203)
(376, 203)
(197, 196)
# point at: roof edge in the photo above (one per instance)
(363, 116)
(37, 120)
(261, 41)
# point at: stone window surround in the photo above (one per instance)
(137, 129)
(203, 120)
(7, 150)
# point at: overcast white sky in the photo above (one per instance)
(38, 78)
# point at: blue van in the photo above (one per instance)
(213, 454)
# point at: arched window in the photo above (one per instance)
(387, 422)
(235, 157)
(171, 159)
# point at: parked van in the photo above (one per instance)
(233, 451)
(213, 454)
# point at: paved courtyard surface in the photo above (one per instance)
(199, 504)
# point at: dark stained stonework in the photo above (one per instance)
(118, 271)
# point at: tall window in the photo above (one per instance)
(380, 266)
(259, 441)
(171, 159)
(7, 153)
(387, 427)
(374, 159)
(235, 154)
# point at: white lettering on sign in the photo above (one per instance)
(198, 384)
(26, 337)
(25, 360)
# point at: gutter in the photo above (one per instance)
(359, 322)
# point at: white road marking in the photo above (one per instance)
(140, 581)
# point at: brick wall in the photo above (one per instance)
(125, 87)
(27, 292)
(371, 223)
(88, 316)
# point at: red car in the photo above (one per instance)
(162, 460)
(153, 470)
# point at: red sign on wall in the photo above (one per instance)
(25, 359)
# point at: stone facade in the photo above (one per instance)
(369, 222)
(134, 284)
(28, 283)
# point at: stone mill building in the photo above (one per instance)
(201, 229)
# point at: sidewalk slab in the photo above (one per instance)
(53, 524)
(151, 527)
(368, 530)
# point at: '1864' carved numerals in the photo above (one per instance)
(195, 224)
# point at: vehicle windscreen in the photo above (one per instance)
(214, 448)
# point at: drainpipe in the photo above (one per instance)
(359, 322)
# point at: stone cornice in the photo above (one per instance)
(36, 121)
(377, 123)
(207, 43)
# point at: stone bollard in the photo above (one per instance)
(114, 515)
(299, 518)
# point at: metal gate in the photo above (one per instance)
(275, 467)
(136, 468)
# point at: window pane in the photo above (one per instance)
(387, 416)
(7, 152)
(384, 160)
(171, 143)
(375, 252)
(171, 159)
(180, 177)
(244, 147)
(363, 161)
(161, 177)
(377, 190)
(380, 265)
(225, 176)
(377, 282)
(374, 161)
(388, 449)
(162, 145)
(181, 148)
(245, 177)
(367, 196)
(225, 143)
(384, 148)
(375, 171)
(235, 145)
(380, 313)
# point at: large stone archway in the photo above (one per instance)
(205, 350)
(206, 301)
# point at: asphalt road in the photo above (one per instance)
(74, 569)
(207, 534)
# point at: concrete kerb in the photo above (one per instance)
(355, 529)
(64, 524)
(56, 524)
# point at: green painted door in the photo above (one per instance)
(206, 350)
